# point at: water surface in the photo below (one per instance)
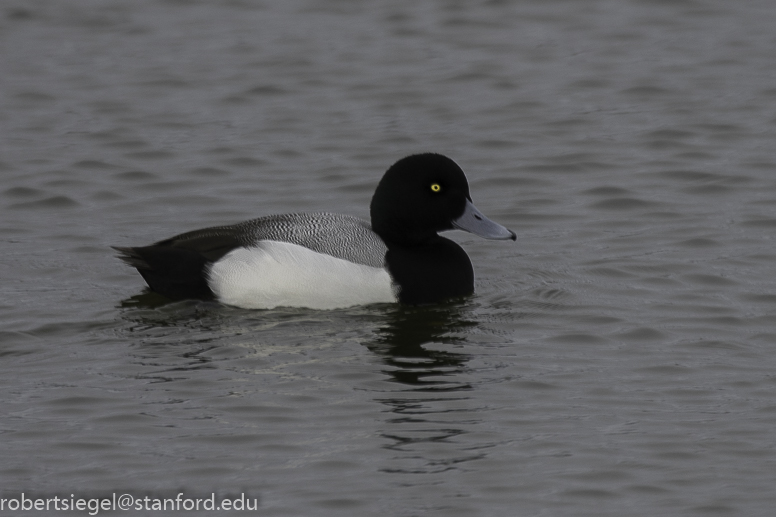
(616, 360)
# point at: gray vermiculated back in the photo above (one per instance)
(342, 236)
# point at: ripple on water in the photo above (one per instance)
(137, 176)
(94, 165)
(642, 334)
(611, 272)
(578, 339)
(708, 280)
(244, 162)
(34, 97)
(133, 144)
(157, 154)
(759, 298)
(704, 183)
(699, 242)
(23, 192)
(709, 190)
(608, 191)
(623, 204)
(209, 172)
(758, 222)
(54, 202)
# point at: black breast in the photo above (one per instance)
(431, 272)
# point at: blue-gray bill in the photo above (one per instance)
(473, 221)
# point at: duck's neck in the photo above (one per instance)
(406, 238)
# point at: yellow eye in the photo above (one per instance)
(435, 187)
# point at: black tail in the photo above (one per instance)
(177, 273)
(177, 267)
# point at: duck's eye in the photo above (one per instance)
(435, 187)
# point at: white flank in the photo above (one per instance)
(279, 274)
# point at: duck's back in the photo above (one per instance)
(342, 236)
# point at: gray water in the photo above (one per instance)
(619, 359)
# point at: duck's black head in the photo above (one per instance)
(423, 194)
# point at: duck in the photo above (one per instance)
(329, 260)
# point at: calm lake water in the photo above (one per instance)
(618, 359)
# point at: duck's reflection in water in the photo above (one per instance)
(409, 339)
(432, 408)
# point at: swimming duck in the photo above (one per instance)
(327, 261)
